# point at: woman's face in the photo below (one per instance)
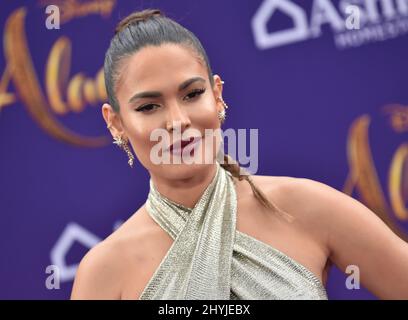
(167, 89)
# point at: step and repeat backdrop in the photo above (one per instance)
(324, 82)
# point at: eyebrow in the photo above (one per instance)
(156, 94)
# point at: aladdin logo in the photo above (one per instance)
(364, 178)
(62, 94)
(73, 8)
(380, 20)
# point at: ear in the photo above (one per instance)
(113, 120)
(217, 89)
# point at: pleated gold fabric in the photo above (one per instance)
(209, 259)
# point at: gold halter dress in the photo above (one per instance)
(209, 259)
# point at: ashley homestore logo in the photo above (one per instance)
(380, 20)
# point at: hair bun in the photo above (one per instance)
(136, 17)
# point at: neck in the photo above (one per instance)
(188, 190)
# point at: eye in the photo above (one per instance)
(146, 108)
(150, 107)
(194, 93)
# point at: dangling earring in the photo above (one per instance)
(123, 144)
(222, 114)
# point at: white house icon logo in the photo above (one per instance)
(72, 233)
(263, 39)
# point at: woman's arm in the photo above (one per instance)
(357, 236)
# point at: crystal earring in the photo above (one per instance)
(222, 114)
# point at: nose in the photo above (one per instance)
(177, 120)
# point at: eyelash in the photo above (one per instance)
(196, 92)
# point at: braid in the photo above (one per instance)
(234, 168)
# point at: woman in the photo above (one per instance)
(208, 230)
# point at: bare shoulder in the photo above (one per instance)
(98, 273)
(281, 185)
(298, 195)
(310, 201)
(104, 270)
(303, 199)
(353, 234)
(315, 203)
(301, 195)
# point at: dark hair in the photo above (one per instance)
(140, 29)
(151, 28)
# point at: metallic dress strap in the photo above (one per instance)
(209, 259)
